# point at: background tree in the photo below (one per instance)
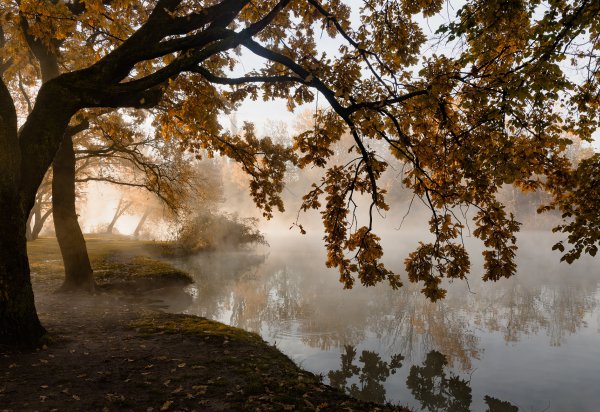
(122, 207)
(42, 209)
(111, 150)
(453, 120)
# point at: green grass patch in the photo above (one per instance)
(118, 263)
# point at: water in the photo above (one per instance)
(529, 343)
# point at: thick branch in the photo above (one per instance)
(9, 147)
(245, 79)
(45, 56)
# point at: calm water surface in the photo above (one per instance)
(530, 343)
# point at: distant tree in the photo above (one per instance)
(122, 207)
(108, 150)
(464, 124)
(42, 209)
(141, 222)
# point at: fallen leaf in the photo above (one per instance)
(166, 405)
(200, 389)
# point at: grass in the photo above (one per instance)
(192, 326)
(118, 263)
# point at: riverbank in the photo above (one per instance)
(115, 351)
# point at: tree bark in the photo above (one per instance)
(19, 323)
(30, 221)
(78, 269)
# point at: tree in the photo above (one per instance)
(113, 150)
(141, 222)
(78, 268)
(122, 207)
(463, 125)
(42, 209)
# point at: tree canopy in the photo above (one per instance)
(519, 76)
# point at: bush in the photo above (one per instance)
(205, 231)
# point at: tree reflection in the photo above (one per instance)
(496, 405)
(527, 307)
(289, 296)
(432, 384)
(371, 375)
(215, 276)
(438, 389)
(415, 326)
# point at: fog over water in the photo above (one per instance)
(531, 342)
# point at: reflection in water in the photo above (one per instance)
(289, 298)
(415, 326)
(496, 405)
(435, 387)
(440, 390)
(371, 375)
(436, 390)
(522, 309)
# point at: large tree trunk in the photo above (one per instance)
(25, 157)
(19, 323)
(78, 269)
(28, 230)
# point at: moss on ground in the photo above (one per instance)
(119, 264)
(163, 323)
(137, 273)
